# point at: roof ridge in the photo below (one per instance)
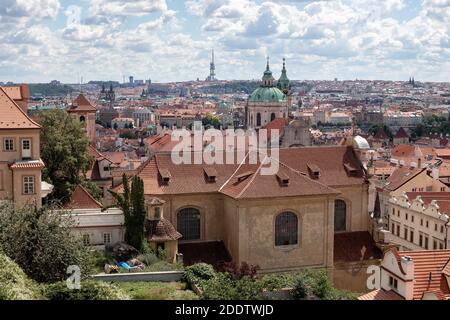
(253, 177)
(19, 108)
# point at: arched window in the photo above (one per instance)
(188, 223)
(258, 119)
(272, 116)
(82, 119)
(340, 215)
(286, 229)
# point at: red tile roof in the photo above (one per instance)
(401, 133)
(28, 164)
(381, 294)
(400, 176)
(82, 104)
(191, 178)
(161, 230)
(12, 116)
(355, 246)
(428, 271)
(381, 135)
(82, 199)
(442, 199)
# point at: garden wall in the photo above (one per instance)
(161, 276)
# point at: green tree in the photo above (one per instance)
(132, 204)
(64, 150)
(41, 242)
(211, 121)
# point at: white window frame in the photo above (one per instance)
(28, 185)
(107, 236)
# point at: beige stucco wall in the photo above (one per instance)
(11, 182)
(356, 198)
(257, 233)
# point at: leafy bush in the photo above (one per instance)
(90, 290)
(224, 287)
(276, 281)
(199, 273)
(14, 283)
(301, 288)
(41, 242)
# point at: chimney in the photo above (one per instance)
(407, 264)
(419, 163)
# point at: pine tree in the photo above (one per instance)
(133, 207)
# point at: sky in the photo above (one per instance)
(171, 40)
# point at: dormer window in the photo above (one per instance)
(210, 173)
(314, 171)
(350, 169)
(283, 179)
(165, 175)
(243, 176)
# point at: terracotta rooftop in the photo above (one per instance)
(82, 199)
(12, 116)
(28, 164)
(381, 294)
(161, 230)
(191, 178)
(381, 135)
(211, 252)
(428, 271)
(442, 199)
(81, 103)
(401, 133)
(400, 176)
(355, 246)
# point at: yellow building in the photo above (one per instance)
(20, 162)
(82, 110)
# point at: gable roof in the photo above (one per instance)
(428, 271)
(293, 162)
(380, 135)
(81, 104)
(82, 199)
(400, 176)
(12, 116)
(401, 133)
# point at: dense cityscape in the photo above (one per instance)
(108, 190)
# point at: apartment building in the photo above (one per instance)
(419, 220)
(20, 162)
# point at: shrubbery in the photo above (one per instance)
(90, 290)
(199, 273)
(14, 283)
(307, 284)
(41, 242)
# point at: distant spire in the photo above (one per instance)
(284, 64)
(267, 67)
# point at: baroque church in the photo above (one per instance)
(269, 101)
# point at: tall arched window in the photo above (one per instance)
(340, 215)
(286, 229)
(188, 223)
(272, 116)
(258, 119)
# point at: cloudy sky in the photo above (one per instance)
(170, 40)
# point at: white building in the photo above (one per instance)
(412, 275)
(419, 220)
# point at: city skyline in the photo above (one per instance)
(171, 40)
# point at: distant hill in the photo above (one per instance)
(49, 89)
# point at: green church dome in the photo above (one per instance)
(267, 94)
